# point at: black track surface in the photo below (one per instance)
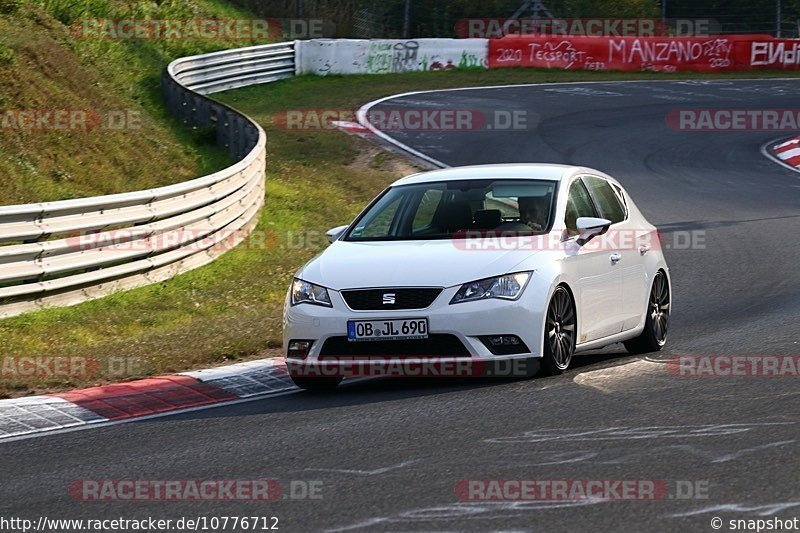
(389, 454)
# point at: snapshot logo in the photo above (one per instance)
(551, 490)
(758, 524)
(734, 119)
(69, 119)
(182, 490)
(734, 366)
(69, 366)
(200, 29)
(402, 119)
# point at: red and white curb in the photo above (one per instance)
(788, 152)
(22, 417)
(351, 127)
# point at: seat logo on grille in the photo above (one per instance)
(389, 298)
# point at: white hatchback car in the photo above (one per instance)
(489, 262)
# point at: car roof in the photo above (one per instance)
(541, 171)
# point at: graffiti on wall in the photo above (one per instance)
(624, 53)
(386, 56)
(668, 55)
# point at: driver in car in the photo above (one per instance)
(534, 211)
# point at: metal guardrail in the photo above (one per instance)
(66, 252)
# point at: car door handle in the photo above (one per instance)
(615, 258)
(643, 250)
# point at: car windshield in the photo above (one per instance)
(457, 209)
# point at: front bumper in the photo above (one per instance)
(465, 321)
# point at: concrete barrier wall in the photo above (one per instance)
(384, 56)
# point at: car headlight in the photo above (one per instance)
(508, 287)
(304, 292)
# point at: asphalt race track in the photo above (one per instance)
(389, 454)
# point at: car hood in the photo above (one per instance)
(440, 263)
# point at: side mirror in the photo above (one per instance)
(334, 233)
(590, 227)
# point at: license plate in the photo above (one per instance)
(387, 330)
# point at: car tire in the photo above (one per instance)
(559, 333)
(316, 383)
(656, 325)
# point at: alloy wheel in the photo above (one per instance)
(560, 330)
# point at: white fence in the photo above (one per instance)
(65, 252)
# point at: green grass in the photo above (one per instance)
(45, 65)
(231, 309)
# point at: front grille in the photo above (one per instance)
(376, 299)
(439, 344)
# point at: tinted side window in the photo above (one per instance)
(606, 198)
(579, 204)
(423, 218)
